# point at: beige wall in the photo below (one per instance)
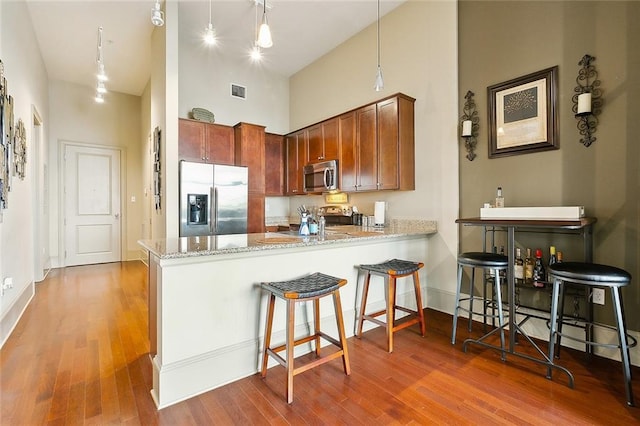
(75, 117)
(499, 41)
(419, 58)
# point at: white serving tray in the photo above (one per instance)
(533, 213)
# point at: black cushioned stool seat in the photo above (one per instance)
(592, 275)
(390, 270)
(493, 262)
(311, 287)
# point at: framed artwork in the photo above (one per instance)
(157, 190)
(523, 114)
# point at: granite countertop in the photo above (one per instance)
(183, 247)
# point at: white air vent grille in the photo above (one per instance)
(238, 91)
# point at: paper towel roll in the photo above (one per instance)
(379, 209)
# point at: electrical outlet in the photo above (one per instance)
(597, 296)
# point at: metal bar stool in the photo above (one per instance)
(592, 275)
(493, 262)
(311, 287)
(391, 270)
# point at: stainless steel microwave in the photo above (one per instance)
(321, 177)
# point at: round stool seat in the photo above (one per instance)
(313, 285)
(590, 274)
(483, 260)
(394, 267)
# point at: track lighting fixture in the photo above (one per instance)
(101, 75)
(157, 15)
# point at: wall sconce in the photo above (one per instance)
(470, 125)
(587, 100)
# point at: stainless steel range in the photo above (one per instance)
(337, 214)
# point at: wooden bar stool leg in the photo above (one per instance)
(316, 322)
(420, 313)
(390, 284)
(290, 346)
(267, 333)
(343, 338)
(363, 303)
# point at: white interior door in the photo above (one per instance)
(92, 205)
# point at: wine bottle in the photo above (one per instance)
(518, 271)
(539, 274)
(559, 256)
(528, 267)
(503, 272)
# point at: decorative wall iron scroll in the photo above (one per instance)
(587, 100)
(470, 125)
(19, 150)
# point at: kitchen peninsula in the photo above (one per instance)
(206, 308)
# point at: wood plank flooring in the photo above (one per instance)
(79, 356)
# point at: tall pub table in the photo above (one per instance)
(582, 226)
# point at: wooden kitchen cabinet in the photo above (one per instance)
(295, 159)
(322, 141)
(374, 146)
(205, 142)
(382, 155)
(274, 155)
(250, 152)
(348, 149)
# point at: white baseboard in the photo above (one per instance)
(10, 319)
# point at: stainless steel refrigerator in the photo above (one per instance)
(213, 199)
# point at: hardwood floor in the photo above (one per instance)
(79, 355)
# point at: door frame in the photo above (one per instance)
(62, 147)
(41, 203)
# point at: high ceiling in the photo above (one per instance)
(303, 30)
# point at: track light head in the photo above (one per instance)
(157, 15)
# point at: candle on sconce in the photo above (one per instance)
(466, 128)
(584, 103)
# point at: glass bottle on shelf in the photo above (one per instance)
(552, 258)
(559, 256)
(528, 267)
(518, 271)
(499, 198)
(539, 274)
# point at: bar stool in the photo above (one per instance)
(591, 275)
(494, 263)
(391, 270)
(311, 287)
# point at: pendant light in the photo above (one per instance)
(379, 85)
(209, 32)
(256, 53)
(157, 15)
(264, 34)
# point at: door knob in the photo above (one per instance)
(117, 215)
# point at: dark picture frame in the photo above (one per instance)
(523, 114)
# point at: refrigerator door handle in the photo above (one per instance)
(214, 211)
(211, 209)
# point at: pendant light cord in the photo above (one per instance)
(378, 33)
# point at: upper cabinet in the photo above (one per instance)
(205, 142)
(322, 141)
(296, 157)
(274, 159)
(374, 146)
